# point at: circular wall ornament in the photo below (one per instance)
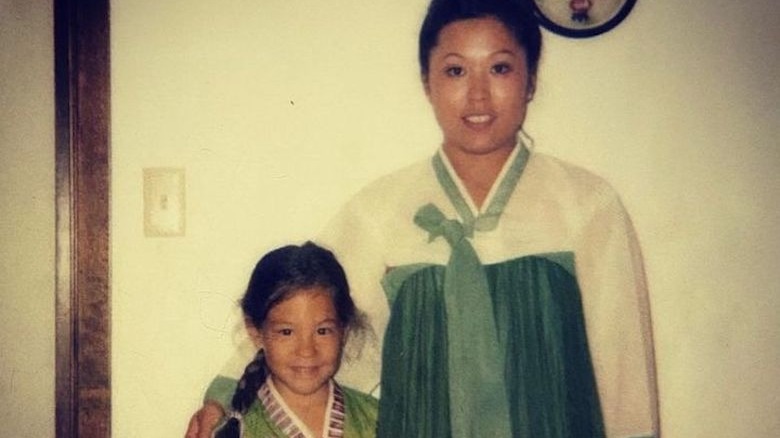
(582, 18)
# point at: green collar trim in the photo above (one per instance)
(488, 220)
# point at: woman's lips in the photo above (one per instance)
(478, 120)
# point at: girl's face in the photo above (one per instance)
(303, 340)
(478, 85)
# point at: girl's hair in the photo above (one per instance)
(517, 15)
(279, 275)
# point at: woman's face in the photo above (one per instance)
(479, 86)
(303, 340)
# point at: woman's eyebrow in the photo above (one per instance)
(452, 54)
(278, 322)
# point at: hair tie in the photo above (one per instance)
(233, 427)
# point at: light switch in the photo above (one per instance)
(163, 201)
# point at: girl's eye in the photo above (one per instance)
(325, 330)
(285, 332)
(502, 69)
(454, 71)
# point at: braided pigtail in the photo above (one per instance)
(246, 393)
(254, 376)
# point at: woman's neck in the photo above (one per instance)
(478, 172)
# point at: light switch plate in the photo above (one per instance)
(164, 202)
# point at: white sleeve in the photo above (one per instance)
(356, 239)
(617, 313)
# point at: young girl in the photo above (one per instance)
(299, 312)
(507, 285)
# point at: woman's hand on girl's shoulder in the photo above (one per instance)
(203, 422)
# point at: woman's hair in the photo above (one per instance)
(517, 15)
(278, 276)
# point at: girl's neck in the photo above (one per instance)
(478, 172)
(311, 409)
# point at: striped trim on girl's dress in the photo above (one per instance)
(289, 423)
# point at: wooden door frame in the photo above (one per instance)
(82, 144)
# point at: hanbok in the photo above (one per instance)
(350, 414)
(526, 318)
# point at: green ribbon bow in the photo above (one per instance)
(478, 393)
(478, 400)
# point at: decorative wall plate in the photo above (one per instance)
(582, 18)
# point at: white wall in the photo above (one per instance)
(26, 219)
(279, 110)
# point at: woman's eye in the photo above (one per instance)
(502, 69)
(285, 332)
(454, 71)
